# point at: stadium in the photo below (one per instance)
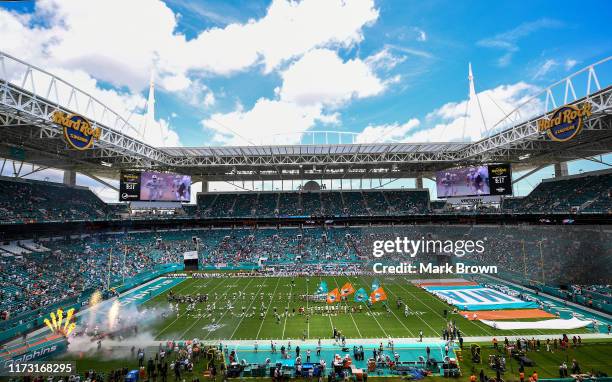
(334, 271)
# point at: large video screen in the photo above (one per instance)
(481, 180)
(154, 186)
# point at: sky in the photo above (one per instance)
(268, 72)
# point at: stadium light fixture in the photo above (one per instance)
(523, 157)
(106, 164)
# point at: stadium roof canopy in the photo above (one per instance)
(27, 134)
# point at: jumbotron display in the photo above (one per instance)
(154, 186)
(481, 180)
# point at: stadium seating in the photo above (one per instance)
(409, 202)
(63, 269)
(587, 192)
(30, 201)
(437, 205)
(332, 203)
(34, 201)
(376, 203)
(289, 204)
(191, 209)
(223, 206)
(52, 271)
(354, 205)
(205, 203)
(512, 204)
(245, 205)
(311, 203)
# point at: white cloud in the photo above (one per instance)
(209, 99)
(313, 88)
(320, 77)
(144, 33)
(174, 83)
(421, 35)
(545, 68)
(288, 30)
(387, 133)
(452, 123)
(570, 63)
(197, 94)
(508, 41)
(269, 121)
(157, 133)
(284, 33)
(384, 59)
(116, 41)
(408, 50)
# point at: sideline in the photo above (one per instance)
(412, 342)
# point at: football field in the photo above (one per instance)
(236, 305)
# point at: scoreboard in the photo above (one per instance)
(129, 186)
(478, 180)
(154, 186)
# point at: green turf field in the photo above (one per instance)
(278, 292)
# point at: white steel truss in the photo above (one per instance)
(29, 96)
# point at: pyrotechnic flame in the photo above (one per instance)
(95, 298)
(113, 313)
(60, 317)
(70, 329)
(54, 320)
(68, 317)
(49, 325)
(57, 318)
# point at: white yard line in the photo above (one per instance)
(287, 310)
(267, 309)
(198, 319)
(178, 313)
(227, 310)
(247, 309)
(331, 323)
(396, 317)
(307, 312)
(375, 319)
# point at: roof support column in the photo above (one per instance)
(561, 169)
(69, 178)
(419, 182)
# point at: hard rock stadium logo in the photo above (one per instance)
(499, 170)
(78, 131)
(566, 122)
(60, 324)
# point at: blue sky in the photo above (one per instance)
(243, 72)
